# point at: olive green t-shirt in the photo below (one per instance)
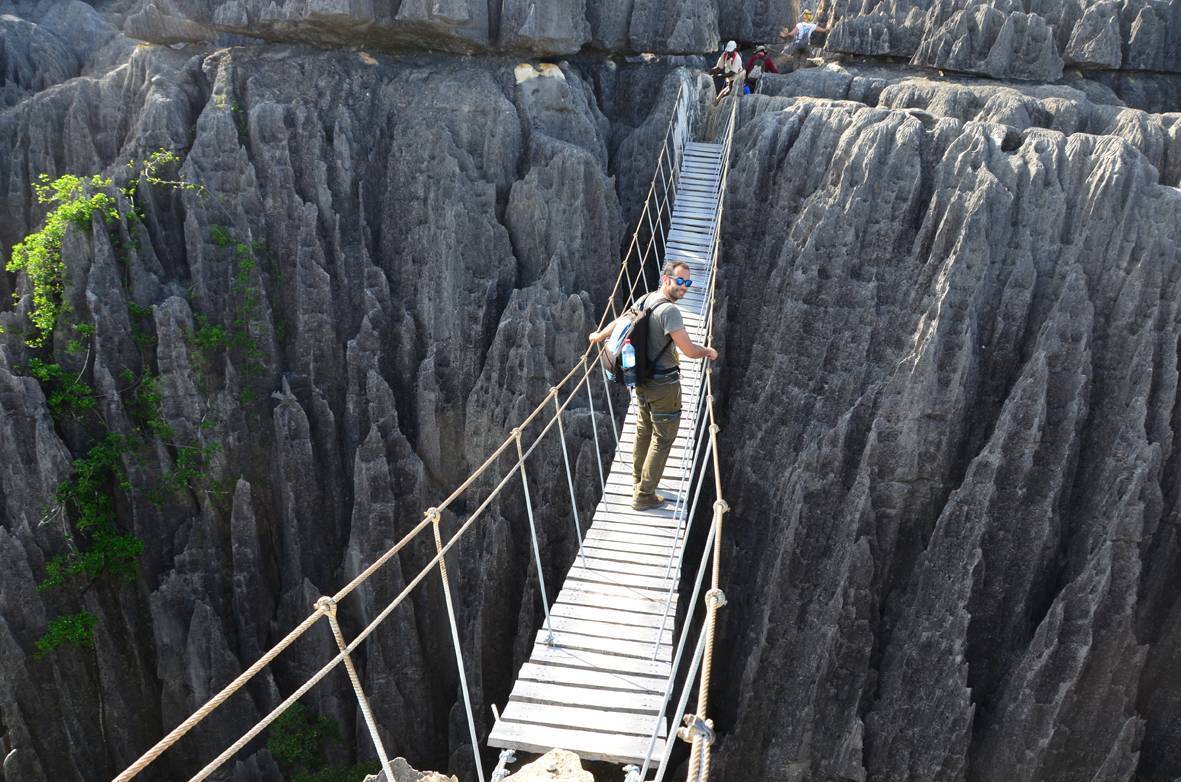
(664, 320)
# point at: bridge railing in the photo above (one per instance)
(640, 261)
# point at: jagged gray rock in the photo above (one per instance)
(397, 270)
(979, 38)
(952, 536)
(1080, 107)
(43, 43)
(557, 765)
(520, 26)
(1008, 39)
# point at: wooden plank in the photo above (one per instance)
(659, 583)
(628, 543)
(691, 229)
(623, 512)
(578, 594)
(658, 521)
(606, 594)
(598, 720)
(703, 241)
(595, 661)
(620, 556)
(694, 200)
(628, 540)
(658, 569)
(702, 192)
(623, 648)
(658, 586)
(609, 615)
(676, 253)
(699, 228)
(609, 747)
(657, 535)
(687, 213)
(610, 631)
(593, 680)
(700, 177)
(528, 691)
(687, 255)
(703, 246)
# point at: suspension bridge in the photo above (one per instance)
(600, 679)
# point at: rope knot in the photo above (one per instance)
(721, 506)
(695, 726)
(326, 605)
(715, 598)
(516, 432)
(433, 515)
(714, 428)
(553, 390)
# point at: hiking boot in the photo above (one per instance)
(647, 502)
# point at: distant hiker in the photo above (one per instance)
(658, 398)
(799, 38)
(729, 67)
(759, 64)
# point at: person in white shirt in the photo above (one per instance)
(729, 67)
(799, 38)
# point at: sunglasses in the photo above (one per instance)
(682, 282)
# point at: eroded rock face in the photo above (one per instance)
(424, 242)
(1078, 106)
(525, 26)
(1013, 40)
(970, 521)
(44, 43)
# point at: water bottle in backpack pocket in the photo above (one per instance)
(627, 362)
(626, 356)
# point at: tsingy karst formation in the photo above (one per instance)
(949, 332)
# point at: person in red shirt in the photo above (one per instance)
(757, 65)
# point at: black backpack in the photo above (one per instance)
(632, 326)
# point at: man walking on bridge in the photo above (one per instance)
(658, 398)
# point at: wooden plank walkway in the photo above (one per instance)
(596, 690)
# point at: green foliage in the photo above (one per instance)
(88, 496)
(210, 338)
(298, 738)
(77, 201)
(220, 236)
(144, 406)
(65, 393)
(68, 630)
(136, 311)
(188, 471)
(87, 502)
(149, 170)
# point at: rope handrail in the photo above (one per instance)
(326, 607)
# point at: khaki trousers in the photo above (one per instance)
(659, 406)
